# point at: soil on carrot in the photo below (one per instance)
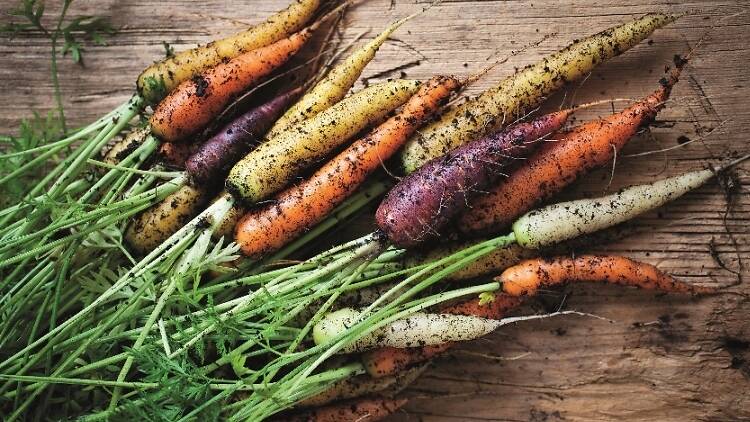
(200, 85)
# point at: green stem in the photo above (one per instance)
(171, 287)
(79, 381)
(368, 244)
(115, 212)
(48, 246)
(55, 80)
(68, 170)
(374, 320)
(100, 126)
(72, 357)
(150, 261)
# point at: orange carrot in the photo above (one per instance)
(530, 275)
(391, 360)
(560, 161)
(366, 409)
(192, 105)
(157, 80)
(300, 207)
(362, 386)
(175, 154)
(494, 307)
(387, 361)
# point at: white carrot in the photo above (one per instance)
(567, 220)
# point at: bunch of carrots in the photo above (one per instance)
(167, 280)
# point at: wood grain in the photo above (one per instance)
(662, 357)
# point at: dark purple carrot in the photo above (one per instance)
(219, 153)
(425, 202)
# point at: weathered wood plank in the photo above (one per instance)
(663, 358)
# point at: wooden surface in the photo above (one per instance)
(660, 358)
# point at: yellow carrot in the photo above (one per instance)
(128, 144)
(154, 225)
(273, 165)
(334, 86)
(515, 95)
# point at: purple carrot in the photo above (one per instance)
(219, 153)
(424, 202)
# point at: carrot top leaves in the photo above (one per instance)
(33, 132)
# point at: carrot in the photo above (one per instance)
(526, 278)
(417, 329)
(518, 94)
(423, 203)
(495, 261)
(493, 307)
(126, 146)
(358, 386)
(214, 158)
(387, 361)
(560, 162)
(157, 80)
(150, 228)
(192, 105)
(335, 85)
(273, 165)
(498, 259)
(567, 220)
(306, 204)
(176, 154)
(366, 409)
